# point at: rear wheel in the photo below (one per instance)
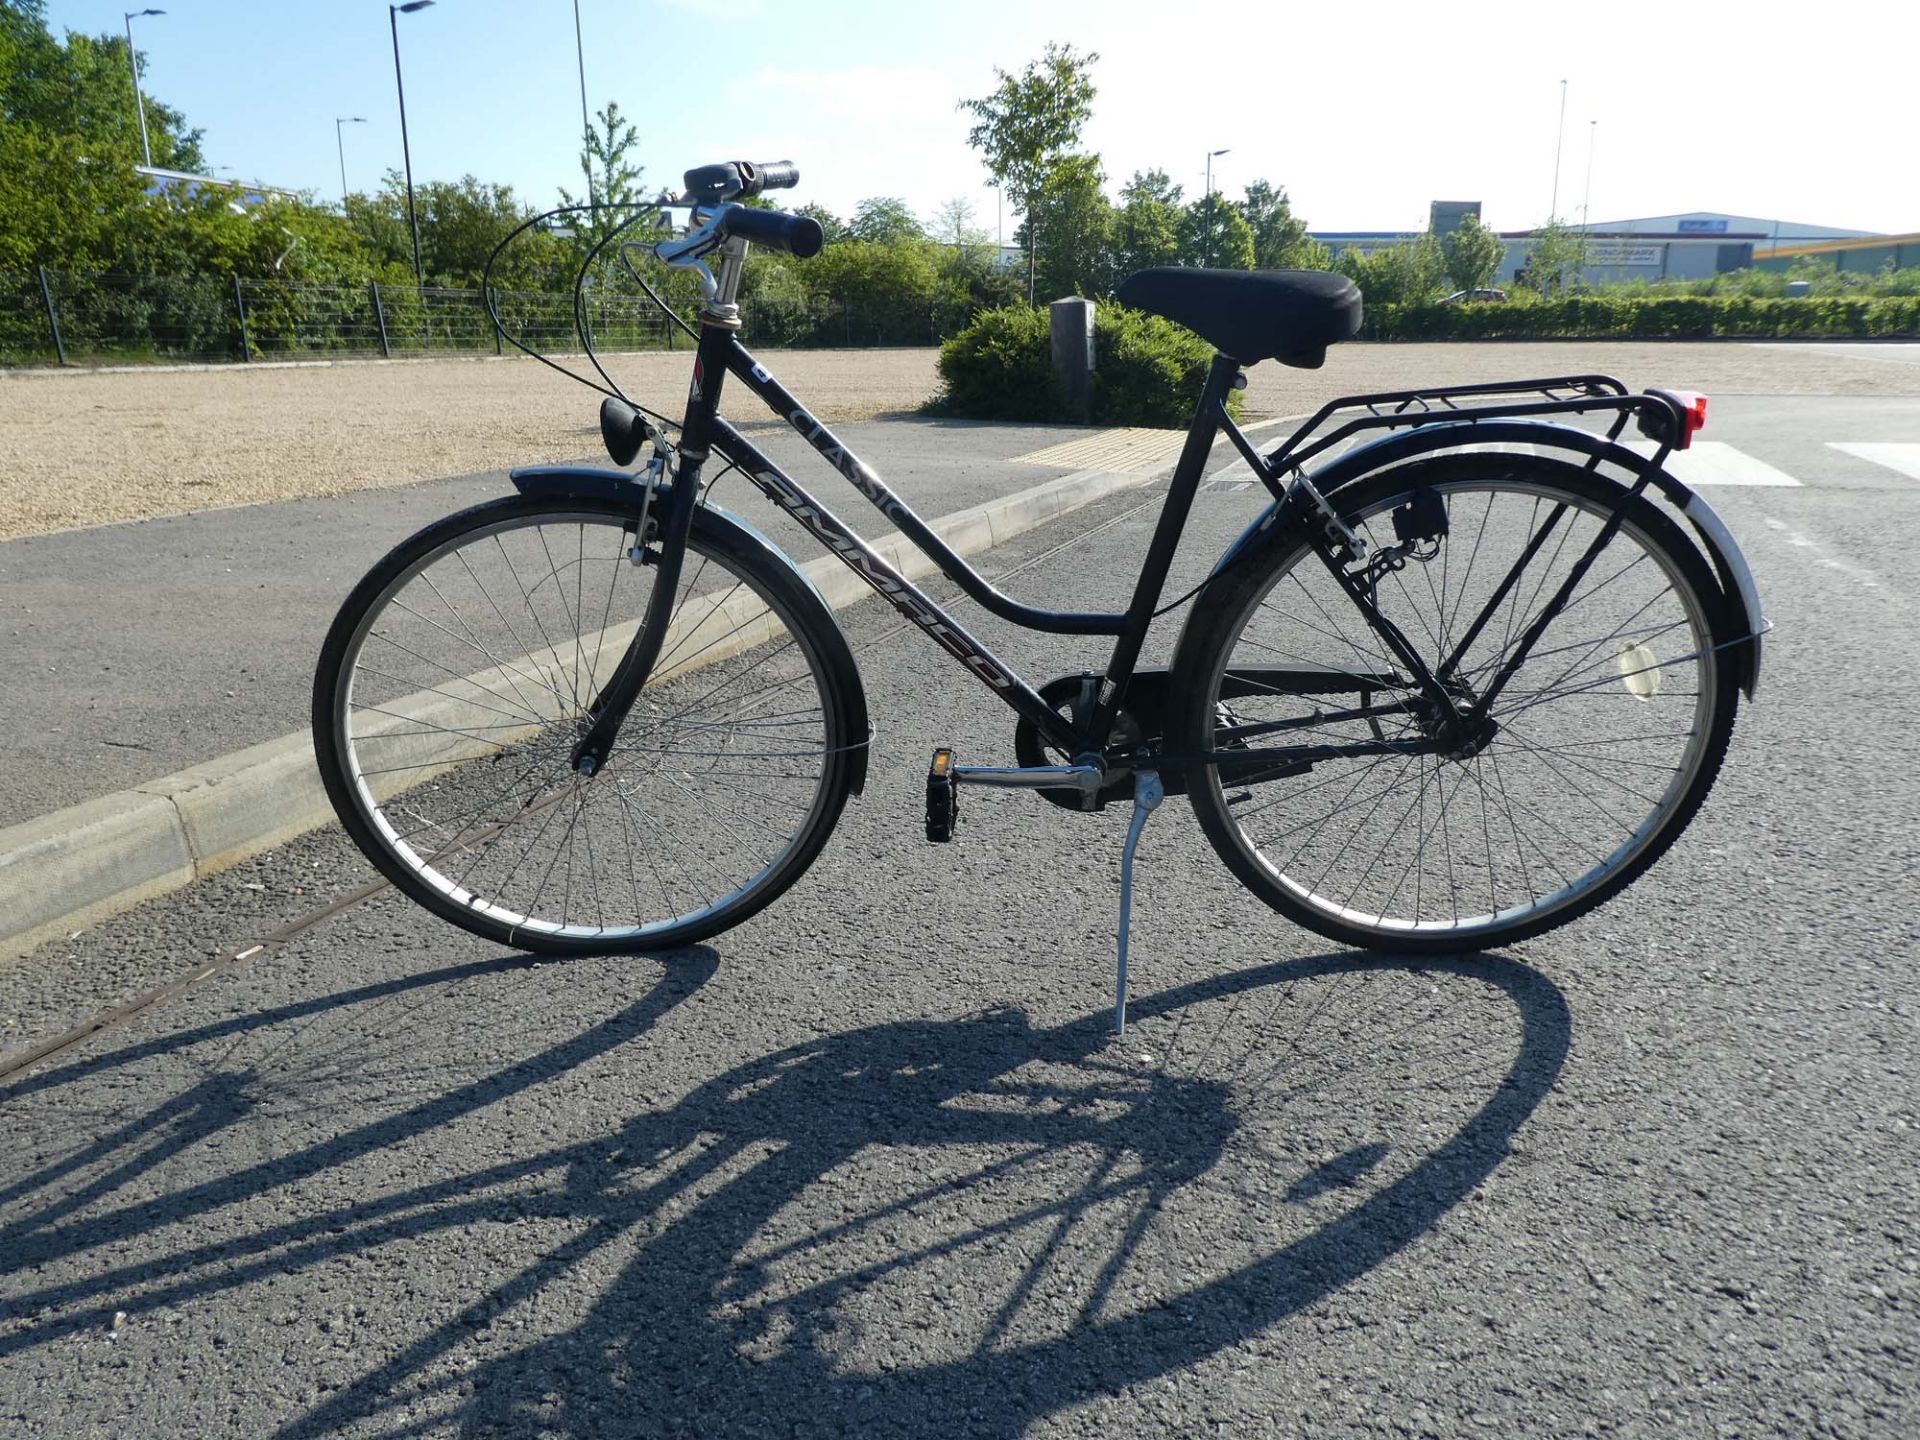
(1608, 736)
(457, 679)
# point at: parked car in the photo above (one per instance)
(1474, 297)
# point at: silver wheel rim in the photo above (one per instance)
(705, 795)
(1365, 881)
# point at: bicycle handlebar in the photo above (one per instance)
(731, 179)
(798, 235)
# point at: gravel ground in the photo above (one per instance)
(83, 449)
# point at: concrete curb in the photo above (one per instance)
(77, 866)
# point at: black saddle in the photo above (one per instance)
(1287, 315)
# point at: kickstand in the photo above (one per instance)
(1148, 792)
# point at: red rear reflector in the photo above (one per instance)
(1693, 405)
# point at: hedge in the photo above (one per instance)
(1147, 371)
(1687, 317)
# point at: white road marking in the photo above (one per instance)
(1904, 458)
(1714, 462)
(1820, 553)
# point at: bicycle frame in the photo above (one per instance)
(721, 354)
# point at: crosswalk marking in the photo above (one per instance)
(1714, 462)
(1904, 458)
(1706, 462)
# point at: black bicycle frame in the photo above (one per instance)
(720, 353)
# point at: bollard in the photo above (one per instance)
(1071, 323)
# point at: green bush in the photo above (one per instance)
(1001, 368)
(1648, 315)
(1147, 371)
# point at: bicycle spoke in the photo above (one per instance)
(715, 774)
(1561, 788)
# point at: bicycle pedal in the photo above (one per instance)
(943, 798)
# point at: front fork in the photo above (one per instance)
(675, 510)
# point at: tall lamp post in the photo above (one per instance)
(1207, 253)
(394, 12)
(338, 121)
(1586, 198)
(139, 105)
(586, 124)
(1560, 139)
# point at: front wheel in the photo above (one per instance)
(1605, 740)
(459, 675)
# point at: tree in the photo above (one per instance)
(1075, 221)
(885, 220)
(461, 221)
(1473, 255)
(1280, 239)
(1553, 259)
(831, 225)
(1213, 232)
(1411, 271)
(59, 208)
(612, 179)
(1151, 185)
(83, 88)
(878, 293)
(1029, 124)
(953, 224)
(1146, 227)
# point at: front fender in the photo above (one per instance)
(595, 482)
(1741, 595)
(843, 673)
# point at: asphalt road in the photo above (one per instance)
(870, 1165)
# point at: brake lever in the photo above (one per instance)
(689, 252)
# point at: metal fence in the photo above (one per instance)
(59, 317)
(67, 318)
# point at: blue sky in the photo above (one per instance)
(1364, 112)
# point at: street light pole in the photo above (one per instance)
(586, 122)
(1553, 210)
(394, 12)
(1586, 198)
(1207, 244)
(139, 104)
(338, 121)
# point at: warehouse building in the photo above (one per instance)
(1690, 246)
(1865, 255)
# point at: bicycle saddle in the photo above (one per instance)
(1287, 315)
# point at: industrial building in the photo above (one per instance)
(1690, 246)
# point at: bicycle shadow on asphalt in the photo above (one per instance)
(919, 1228)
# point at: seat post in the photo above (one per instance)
(1187, 474)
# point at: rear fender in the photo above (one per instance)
(843, 673)
(1738, 591)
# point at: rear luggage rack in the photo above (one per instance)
(1663, 416)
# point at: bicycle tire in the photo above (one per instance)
(492, 681)
(1593, 743)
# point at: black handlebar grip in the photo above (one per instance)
(772, 175)
(798, 235)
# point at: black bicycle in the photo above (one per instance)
(1470, 673)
